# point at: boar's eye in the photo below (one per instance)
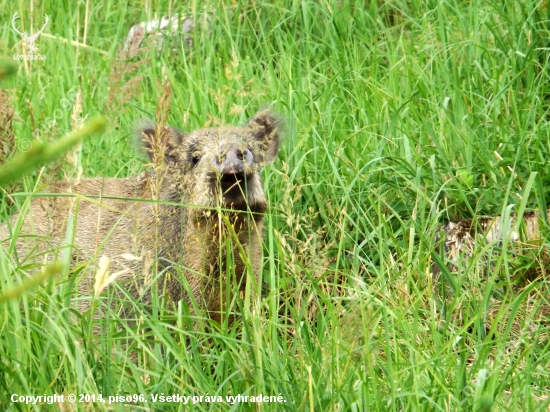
(195, 159)
(194, 153)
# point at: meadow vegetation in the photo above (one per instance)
(400, 116)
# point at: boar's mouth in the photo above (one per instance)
(236, 190)
(233, 186)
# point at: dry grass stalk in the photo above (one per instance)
(102, 277)
(123, 79)
(73, 156)
(7, 136)
(158, 143)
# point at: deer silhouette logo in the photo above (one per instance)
(30, 39)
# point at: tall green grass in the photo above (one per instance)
(400, 116)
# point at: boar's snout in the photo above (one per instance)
(232, 159)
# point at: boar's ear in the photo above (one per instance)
(168, 142)
(266, 129)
